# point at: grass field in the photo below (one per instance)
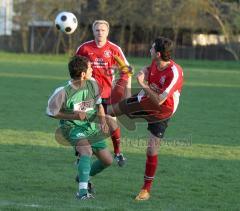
(199, 162)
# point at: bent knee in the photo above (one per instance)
(108, 162)
(84, 150)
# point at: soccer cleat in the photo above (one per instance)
(121, 161)
(127, 70)
(91, 188)
(123, 67)
(86, 196)
(143, 195)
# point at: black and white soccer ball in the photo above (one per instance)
(66, 22)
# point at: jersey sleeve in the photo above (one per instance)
(98, 99)
(56, 101)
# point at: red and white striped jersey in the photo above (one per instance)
(102, 62)
(167, 82)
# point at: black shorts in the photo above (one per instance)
(158, 128)
(132, 108)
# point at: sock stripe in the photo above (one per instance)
(83, 185)
(148, 178)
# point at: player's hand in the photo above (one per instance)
(140, 78)
(142, 74)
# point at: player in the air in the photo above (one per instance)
(102, 54)
(82, 121)
(161, 84)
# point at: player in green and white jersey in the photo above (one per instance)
(82, 120)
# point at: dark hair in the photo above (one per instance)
(77, 65)
(164, 46)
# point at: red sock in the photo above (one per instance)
(116, 140)
(150, 169)
(118, 91)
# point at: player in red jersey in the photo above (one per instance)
(158, 100)
(101, 52)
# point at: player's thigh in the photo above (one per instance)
(132, 108)
(157, 130)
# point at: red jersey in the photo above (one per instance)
(102, 61)
(167, 82)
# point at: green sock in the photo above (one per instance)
(97, 167)
(84, 167)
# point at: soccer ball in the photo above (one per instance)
(66, 22)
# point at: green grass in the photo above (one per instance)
(199, 161)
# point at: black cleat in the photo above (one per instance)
(91, 188)
(121, 161)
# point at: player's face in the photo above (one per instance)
(154, 54)
(153, 51)
(88, 74)
(100, 32)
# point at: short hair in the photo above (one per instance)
(77, 65)
(100, 22)
(164, 46)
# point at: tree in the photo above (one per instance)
(225, 15)
(135, 20)
(37, 10)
